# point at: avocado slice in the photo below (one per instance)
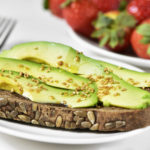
(54, 54)
(112, 90)
(138, 79)
(72, 61)
(39, 92)
(50, 75)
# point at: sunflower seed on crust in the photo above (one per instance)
(3, 102)
(94, 127)
(110, 125)
(24, 118)
(120, 124)
(59, 121)
(86, 124)
(50, 124)
(80, 113)
(34, 122)
(91, 116)
(2, 114)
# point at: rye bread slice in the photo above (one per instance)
(18, 108)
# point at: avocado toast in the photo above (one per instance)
(53, 85)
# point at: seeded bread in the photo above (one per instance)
(18, 108)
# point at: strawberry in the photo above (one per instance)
(108, 5)
(55, 7)
(140, 9)
(140, 39)
(113, 30)
(79, 14)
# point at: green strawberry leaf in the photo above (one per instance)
(144, 29)
(113, 39)
(148, 51)
(145, 40)
(97, 33)
(102, 21)
(126, 20)
(104, 40)
(66, 3)
(123, 5)
(45, 4)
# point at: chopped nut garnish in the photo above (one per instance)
(64, 83)
(38, 90)
(117, 94)
(79, 100)
(27, 68)
(60, 63)
(21, 66)
(77, 58)
(59, 57)
(21, 74)
(36, 48)
(26, 75)
(56, 81)
(40, 78)
(8, 76)
(66, 65)
(70, 80)
(124, 89)
(52, 97)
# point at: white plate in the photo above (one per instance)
(93, 46)
(62, 136)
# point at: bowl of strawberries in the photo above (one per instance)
(118, 29)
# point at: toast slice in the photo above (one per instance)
(18, 108)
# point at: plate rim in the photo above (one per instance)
(42, 138)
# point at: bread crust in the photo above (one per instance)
(18, 108)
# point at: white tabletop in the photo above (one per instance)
(35, 24)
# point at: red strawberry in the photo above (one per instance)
(140, 39)
(140, 9)
(108, 5)
(55, 7)
(113, 30)
(79, 14)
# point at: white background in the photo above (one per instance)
(34, 24)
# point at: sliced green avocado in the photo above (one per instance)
(138, 79)
(50, 75)
(39, 92)
(65, 57)
(54, 54)
(112, 91)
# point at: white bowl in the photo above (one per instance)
(93, 47)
